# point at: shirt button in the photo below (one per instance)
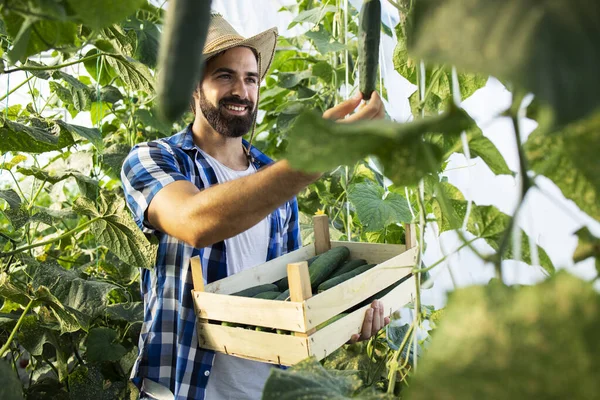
(206, 373)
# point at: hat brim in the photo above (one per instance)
(264, 43)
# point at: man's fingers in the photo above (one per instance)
(343, 109)
(377, 318)
(368, 324)
(375, 109)
(354, 338)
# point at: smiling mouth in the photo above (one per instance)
(231, 107)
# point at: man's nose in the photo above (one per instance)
(239, 89)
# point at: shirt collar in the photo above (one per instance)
(185, 141)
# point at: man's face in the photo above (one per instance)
(228, 92)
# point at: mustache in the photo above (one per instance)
(236, 101)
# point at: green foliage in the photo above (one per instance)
(569, 159)
(514, 343)
(10, 386)
(376, 208)
(535, 45)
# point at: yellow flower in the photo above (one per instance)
(320, 212)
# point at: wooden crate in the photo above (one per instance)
(305, 311)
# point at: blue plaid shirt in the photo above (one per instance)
(168, 345)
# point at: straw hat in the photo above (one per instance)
(222, 36)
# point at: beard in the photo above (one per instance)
(220, 120)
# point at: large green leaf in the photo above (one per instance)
(100, 13)
(101, 345)
(135, 75)
(321, 145)
(113, 157)
(126, 312)
(479, 146)
(312, 16)
(92, 134)
(323, 41)
(570, 159)
(86, 296)
(10, 385)
(115, 229)
(377, 208)
(35, 34)
(88, 382)
(486, 222)
(49, 216)
(40, 137)
(498, 342)
(538, 45)
(309, 380)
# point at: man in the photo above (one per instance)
(206, 191)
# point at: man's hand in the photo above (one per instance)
(374, 321)
(373, 110)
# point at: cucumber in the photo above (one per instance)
(253, 291)
(284, 295)
(180, 59)
(330, 321)
(328, 284)
(369, 31)
(349, 266)
(324, 266)
(283, 284)
(271, 295)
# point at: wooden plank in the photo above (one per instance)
(410, 235)
(372, 252)
(197, 278)
(268, 272)
(253, 345)
(326, 340)
(331, 302)
(300, 290)
(321, 231)
(244, 310)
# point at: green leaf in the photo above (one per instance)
(101, 345)
(312, 16)
(10, 385)
(52, 177)
(110, 94)
(536, 45)
(479, 146)
(98, 14)
(88, 382)
(290, 79)
(570, 159)
(588, 246)
(112, 159)
(126, 312)
(114, 228)
(377, 209)
(98, 69)
(84, 295)
(98, 110)
(32, 35)
(135, 75)
(307, 380)
(92, 134)
(148, 39)
(9, 291)
(15, 136)
(321, 145)
(17, 214)
(33, 335)
(486, 222)
(323, 41)
(150, 120)
(527, 336)
(323, 70)
(395, 334)
(49, 216)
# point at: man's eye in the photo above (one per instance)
(226, 76)
(252, 80)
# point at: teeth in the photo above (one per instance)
(235, 108)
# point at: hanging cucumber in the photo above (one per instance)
(180, 60)
(369, 31)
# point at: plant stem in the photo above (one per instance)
(397, 353)
(54, 67)
(441, 260)
(64, 235)
(6, 346)
(16, 88)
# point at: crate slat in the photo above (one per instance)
(246, 310)
(326, 340)
(331, 302)
(374, 253)
(268, 272)
(253, 345)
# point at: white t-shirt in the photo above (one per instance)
(233, 377)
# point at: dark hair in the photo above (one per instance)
(193, 99)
